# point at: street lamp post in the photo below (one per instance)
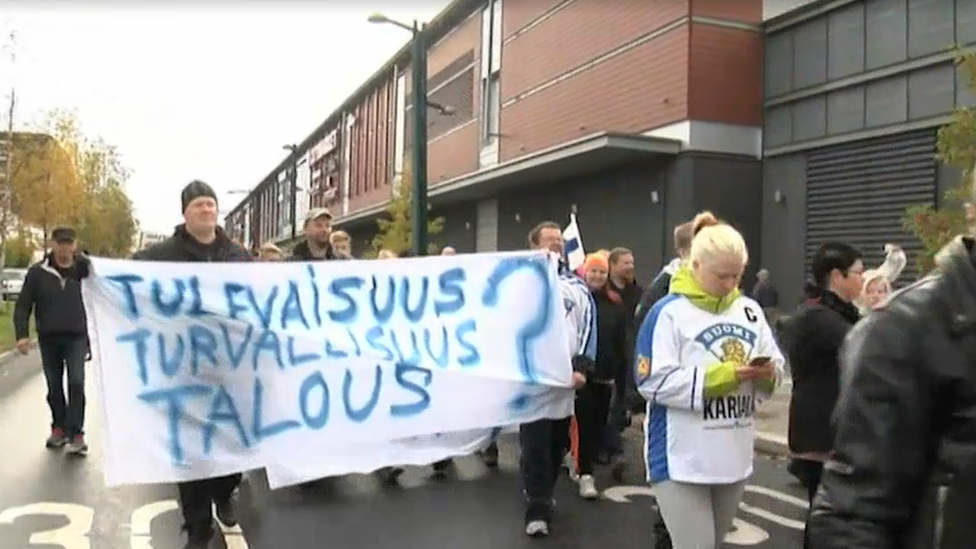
(418, 76)
(293, 189)
(419, 184)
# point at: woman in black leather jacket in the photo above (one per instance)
(902, 474)
(814, 339)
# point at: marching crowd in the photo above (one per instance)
(883, 411)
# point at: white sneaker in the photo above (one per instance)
(570, 464)
(537, 528)
(587, 487)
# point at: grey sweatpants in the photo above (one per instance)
(698, 515)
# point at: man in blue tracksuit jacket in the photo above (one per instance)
(544, 442)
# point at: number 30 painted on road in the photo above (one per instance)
(81, 518)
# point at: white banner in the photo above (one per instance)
(319, 369)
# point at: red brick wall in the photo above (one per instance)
(637, 90)
(742, 11)
(371, 160)
(583, 30)
(516, 14)
(453, 155)
(725, 75)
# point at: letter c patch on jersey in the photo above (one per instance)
(643, 367)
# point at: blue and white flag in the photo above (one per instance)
(574, 244)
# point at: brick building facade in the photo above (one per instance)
(637, 115)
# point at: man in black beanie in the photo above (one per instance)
(199, 238)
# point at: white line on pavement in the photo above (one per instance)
(775, 494)
(772, 517)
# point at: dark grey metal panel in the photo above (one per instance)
(887, 33)
(778, 126)
(778, 64)
(731, 188)
(614, 208)
(845, 41)
(679, 197)
(810, 118)
(931, 91)
(965, 21)
(783, 228)
(858, 192)
(362, 237)
(930, 26)
(845, 110)
(886, 101)
(810, 54)
(964, 97)
(459, 229)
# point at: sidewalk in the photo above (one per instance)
(772, 421)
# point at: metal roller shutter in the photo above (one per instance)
(858, 192)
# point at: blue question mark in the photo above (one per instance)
(535, 327)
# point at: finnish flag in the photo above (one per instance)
(574, 244)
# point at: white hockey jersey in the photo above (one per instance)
(580, 308)
(694, 435)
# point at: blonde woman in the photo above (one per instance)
(341, 244)
(704, 357)
(270, 252)
(877, 282)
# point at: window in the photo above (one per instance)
(491, 65)
(493, 107)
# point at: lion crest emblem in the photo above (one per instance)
(733, 351)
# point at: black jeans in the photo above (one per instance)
(592, 406)
(197, 498)
(616, 423)
(544, 443)
(809, 473)
(60, 354)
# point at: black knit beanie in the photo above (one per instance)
(195, 190)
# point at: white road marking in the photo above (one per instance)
(76, 534)
(775, 494)
(745, 534)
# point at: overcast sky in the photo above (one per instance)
(195, 92)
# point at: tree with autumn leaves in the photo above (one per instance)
(936, 226)
(59, 176)
(394, 229)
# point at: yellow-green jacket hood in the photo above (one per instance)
(683, 283)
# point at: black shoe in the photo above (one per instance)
(390, 475)
(662, 538)
(226, 512)
(440, 467)
(490, 455)
(197, 544)
(199, 540)
(617, 468)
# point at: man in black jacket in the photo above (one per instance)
(52, 291)
(661, 284)
(902, 473)
(316, 246)
(200, 239)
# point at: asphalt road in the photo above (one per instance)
(48, 500)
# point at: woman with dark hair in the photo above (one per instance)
(815, 337)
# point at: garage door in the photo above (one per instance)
(858, 193)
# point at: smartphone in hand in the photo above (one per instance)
(759, 361)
